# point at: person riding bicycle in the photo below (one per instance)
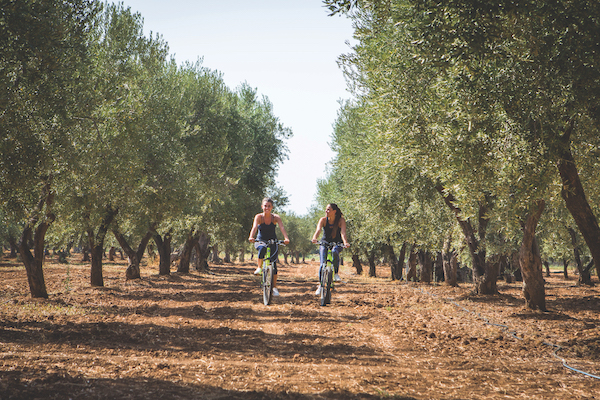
(334, 230)
(265, 223)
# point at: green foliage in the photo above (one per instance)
(471, 96)
(43, 51)
(96, 106)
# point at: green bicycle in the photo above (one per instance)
(269, 265)
(326, 272)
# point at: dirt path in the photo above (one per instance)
(209, 336)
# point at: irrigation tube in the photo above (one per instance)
(556, 347)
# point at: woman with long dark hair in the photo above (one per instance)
(333, 225)
(265, 224)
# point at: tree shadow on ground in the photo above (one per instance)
(63, 386)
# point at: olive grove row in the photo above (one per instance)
(473, 132)
(103, 137)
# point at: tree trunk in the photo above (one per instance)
(202, 252)
(449, 263)
(388, 250)
(584, 276)
(356, 264)
(397, 274)
(531, 261)
(411, 274)
(371, 259)
(547, 265)
(565, 265)
(186, 253)
(215, 254)
(111, 254)
(488, 284)
(481, 274)
(242, 254)
(34, 262)
(133, 269)
(424, 259)
(96, 243)
(575, 200)
(133, 257)
(438, 268)
(13, 247)
(86, 254)
(163, 245)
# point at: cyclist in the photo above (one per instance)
(265, 223)
(334, 230)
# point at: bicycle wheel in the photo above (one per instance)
(329, 280)
(324, 285)
(267, 279)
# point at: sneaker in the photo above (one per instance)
(318, 292)
(337, 278)
(275, 292)
(258, 271)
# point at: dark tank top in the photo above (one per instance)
(328, 231)
(266, 232)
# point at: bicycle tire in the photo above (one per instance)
(267, 283)
(324, 286)
(329, 280)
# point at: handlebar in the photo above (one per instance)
(329, 245)
(270, 241)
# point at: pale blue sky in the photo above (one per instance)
(287, 49)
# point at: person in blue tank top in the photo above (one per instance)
(333, 226)
(265, 224)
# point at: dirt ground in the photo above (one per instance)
(209, 336)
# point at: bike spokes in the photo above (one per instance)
(267, 283)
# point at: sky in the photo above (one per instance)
(286, 49)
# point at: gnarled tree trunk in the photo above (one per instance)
(484, 275)
(398, 270)
(202, 252)
(163, 245)
(426, 263)
(186, 254)
(449, 263)
(371, 260)
(96, 243)
(575, 200)
(356, 264)
(531, 261)
(34, 262)
(133, 257)
(585, 277)
(393, 261)
(411, 274)
(565, 271)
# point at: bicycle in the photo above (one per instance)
(268, 268)
(326, 272)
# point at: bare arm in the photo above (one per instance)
(286, 240)
(320, 225)
(343, 232)
(254, 228)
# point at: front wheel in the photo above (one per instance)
(325, 282)
(267, 283)
(329, 286)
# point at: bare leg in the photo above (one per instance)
(260, 264)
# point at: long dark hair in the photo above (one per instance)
(336, 220)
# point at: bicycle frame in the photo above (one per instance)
(326, 272)
(267, 276)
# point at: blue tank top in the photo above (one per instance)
(266, 232)
(328, 231)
